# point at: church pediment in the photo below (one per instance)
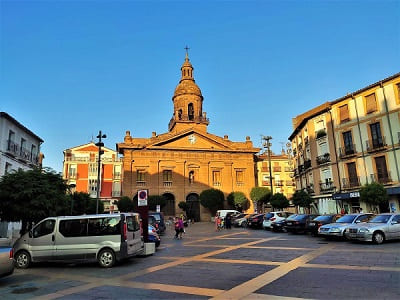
(190, 140)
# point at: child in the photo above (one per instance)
(177, 228)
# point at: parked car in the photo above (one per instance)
(153, 236)
(337, 229)
(153, 222)
(242, 222)
(223, 212)
(299, 223)
(255, 221)
(160, 222)
(316, 223)
(106, 238)
(380, 228)
(6, 261)
(280, 225)
(274, 216)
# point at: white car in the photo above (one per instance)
(274, 216)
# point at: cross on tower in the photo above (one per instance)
(186, 48)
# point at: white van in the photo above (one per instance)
(106, 238)
(223, 212)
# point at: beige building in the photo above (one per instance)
(281, 172)
(186, 160)
(341, 145)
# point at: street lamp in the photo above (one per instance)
(267, 145)
(99, 144)
(132, 161)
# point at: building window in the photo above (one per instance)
(370, 103)
(167, 175)
(191, 177)
(239, 177)
(216, 177)
(7, 168)
(180, 114)
(352, 173)
(92, 169)
(191, 111)
(72, 172)
(344, 113)
(376, 135)
(348, 143)
(140, 176)
(382, 174)
(92, 186)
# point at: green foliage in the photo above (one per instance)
(238, 200)
(279, 201)
(82, 203)
(260, 195)
(373, 193)
(125, 204)
(32, 195)
(302, 198)
(212, 199)
(154, 200)
(183, 205)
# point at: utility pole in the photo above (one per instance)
(99, 144)
(267, 145)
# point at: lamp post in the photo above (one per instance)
(267, 145)
(71, 186)
(131, 187)
(99, 144)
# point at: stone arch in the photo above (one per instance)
(193, 206)
(169, 208)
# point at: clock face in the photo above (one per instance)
(192, 139)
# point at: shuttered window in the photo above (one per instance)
(344, 113)
(371, 103)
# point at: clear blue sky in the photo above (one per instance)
(71, 68)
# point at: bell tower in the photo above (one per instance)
(188, 101)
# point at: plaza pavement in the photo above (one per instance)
(229, 264)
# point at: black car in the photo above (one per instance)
(280, 225)
(316, 223)
(299, 223)
(160, 224)
(256, 221)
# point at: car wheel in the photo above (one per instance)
(378, 238)
(22, 260)
(244, 224)
(106, 258)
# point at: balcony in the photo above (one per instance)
(350, 183)
(12, 148)
(375, 144)
(310, 189)
(167, 183)
(239, 183)
(216, 183)
(183, 118)
(323, 159)
(381, 178)
(326, 187)
(346, 152)
(142, 183)
(307, 164)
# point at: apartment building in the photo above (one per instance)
(19, 150)
(343, 144)
(281, 173)
(80, 170)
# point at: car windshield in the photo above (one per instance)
(156, 216)
(291, 217)
(268, 216)
(380, 219)
(323, 218)
(346, 219)
(300, 217)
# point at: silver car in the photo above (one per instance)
(380, 228)
(338, 228)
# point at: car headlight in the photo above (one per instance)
(363, 230)
(335, 229)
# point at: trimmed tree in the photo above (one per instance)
(212, 199)
(82, 203)
(238, 200)
(125, 204)
(374, 194)
(183, 205)
(279, 201)
(260, 195)
(302, 198)
(154, 200)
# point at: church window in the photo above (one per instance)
(216, 178)
(191, 111)
(180, 114)
(239, 177)
(167, 176)
(141, 176)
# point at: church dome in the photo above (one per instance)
(187, 87)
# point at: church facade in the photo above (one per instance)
(186, 160)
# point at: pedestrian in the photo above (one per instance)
(216, 222)
(181, 227)
(342, 211)
(228, 221)
(177, 229)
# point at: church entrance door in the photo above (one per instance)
(169, 208)
(193, 207)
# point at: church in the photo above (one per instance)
(186, 160)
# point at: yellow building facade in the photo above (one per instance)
(186, 160)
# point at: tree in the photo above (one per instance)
(279, 201)
(212, 199)
(183, 205)
(260, 195)
(302, 198)
(238, 200)
(32, 195)
(374, 194)
(82, 203)
(154, 200)
(125, 204)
